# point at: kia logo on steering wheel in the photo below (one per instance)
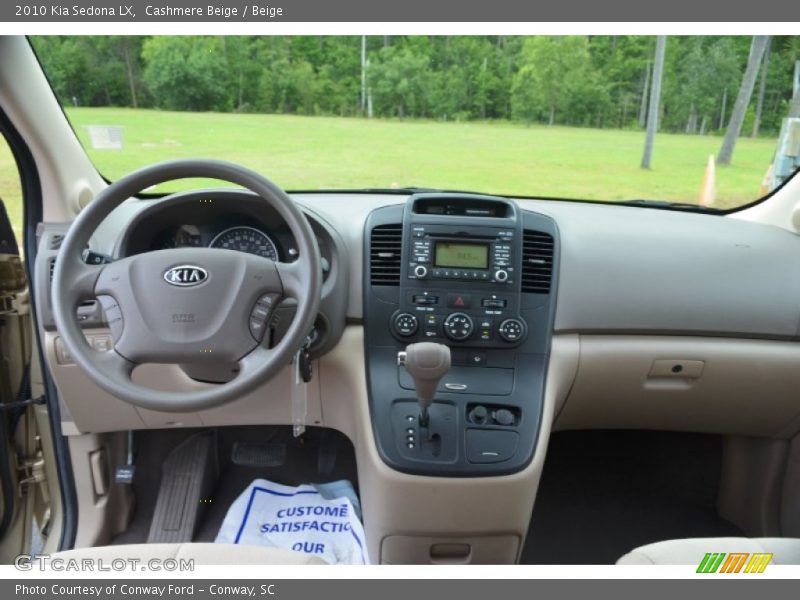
(185, 275)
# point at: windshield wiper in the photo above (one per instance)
(668, 205)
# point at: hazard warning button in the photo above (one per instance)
(459, 300)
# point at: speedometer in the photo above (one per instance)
(246, 239)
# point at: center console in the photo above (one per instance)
(477, 274)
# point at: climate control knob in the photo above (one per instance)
(421, 271)
(501, 275)
(458, 326)
(512, 330)
(405, 324)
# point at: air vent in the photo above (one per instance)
(52, 262)
(537, 262)
(55, 241)
(385, 249)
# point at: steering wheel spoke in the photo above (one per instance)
(255, 359)
(82, 278)
(114, 364)
(291, 276)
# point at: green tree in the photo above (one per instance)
(187, 73)
(400, 82)
(553, 70)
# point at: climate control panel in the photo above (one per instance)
(462, 319)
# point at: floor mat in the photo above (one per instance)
(300, 466)
(604, 493)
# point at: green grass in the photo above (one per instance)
(320, 152)
(10, 191)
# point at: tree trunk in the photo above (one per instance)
(762, 87)
(241, 91)
(363, 73)
(131, 80)
(643, 106)
(552, 114)
(691, 122)
(743, 99)
(722, 110)
(703, 126)
(655, 101)
(624, 112)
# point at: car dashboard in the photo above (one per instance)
(653, 319)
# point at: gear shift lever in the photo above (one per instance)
(427, 363)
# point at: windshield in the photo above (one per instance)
(686, 119)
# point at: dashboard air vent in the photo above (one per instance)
(537, 262)
(55, 241)
(385, 249)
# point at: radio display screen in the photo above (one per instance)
(465, 256)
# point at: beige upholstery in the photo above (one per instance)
(203, 554)
(691, 551)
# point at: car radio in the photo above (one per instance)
(440, 252)
(460, 282)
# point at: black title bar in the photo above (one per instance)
(439, 11)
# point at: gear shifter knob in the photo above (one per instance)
(427, 363)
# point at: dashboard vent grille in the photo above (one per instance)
(385, 250)
(55, 241)
(537, 262)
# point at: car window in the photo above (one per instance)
(550, 116)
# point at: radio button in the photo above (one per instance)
(421, 271)
(501, 275)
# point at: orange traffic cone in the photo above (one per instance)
(709, 190)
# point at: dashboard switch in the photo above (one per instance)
(512, 330)
(257, 329)
(405, 324)
(458, 326)
(425, 300)
(459, 300)
(493, 303)
(259, 316)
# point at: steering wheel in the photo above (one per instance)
(186, 305)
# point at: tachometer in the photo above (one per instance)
(246, 239)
